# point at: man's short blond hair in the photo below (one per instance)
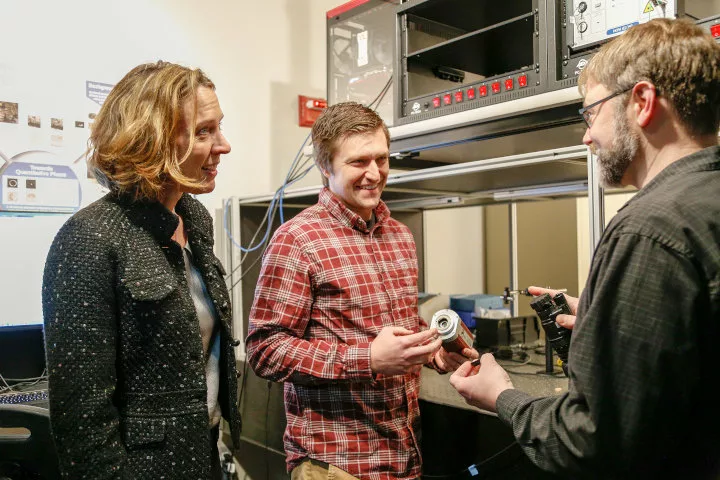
(132, 141)
(338, 122)
(677, 56)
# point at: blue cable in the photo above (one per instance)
(267, 229)
(278, 197)
(287, 177)
(282, 196)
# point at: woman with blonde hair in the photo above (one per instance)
(137, 314)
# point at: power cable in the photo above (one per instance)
(472, 470)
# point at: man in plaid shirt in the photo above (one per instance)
(335, 316)
(644, 382)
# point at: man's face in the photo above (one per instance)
(610, 137)
(359, 171)
(209, 144)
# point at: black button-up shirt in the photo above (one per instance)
(644, 377)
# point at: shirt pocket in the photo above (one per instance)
(405, 272)
(403, 275)
(148, 276)
(151, 288)
(139, 432)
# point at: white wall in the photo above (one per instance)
(454, 251)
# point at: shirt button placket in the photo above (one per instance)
(378, 256)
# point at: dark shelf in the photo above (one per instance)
(470, 15)
(495, 50)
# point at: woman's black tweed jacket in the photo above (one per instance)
(124, 352)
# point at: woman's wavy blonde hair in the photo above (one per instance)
(132, 147)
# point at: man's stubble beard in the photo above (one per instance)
(614, 161)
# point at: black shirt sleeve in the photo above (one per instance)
(631, 360)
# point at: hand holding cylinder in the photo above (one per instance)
(457, 340)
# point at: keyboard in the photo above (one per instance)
(27, 397)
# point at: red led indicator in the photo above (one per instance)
(496, 87)
(447, 99)
(436, 102)
(509, 84)
(471, 93)
(458, 97)
(522, 80)
(482, 90)
(715, 30)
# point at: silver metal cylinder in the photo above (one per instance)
(454, 333)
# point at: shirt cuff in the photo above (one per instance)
(508, 402)
(357, 362)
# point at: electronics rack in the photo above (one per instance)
(457, 55)
(580, 27)
(361, 53)
(453, 58)
(711, 25)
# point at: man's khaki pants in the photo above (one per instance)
(315, 470)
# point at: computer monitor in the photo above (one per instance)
(24, 244)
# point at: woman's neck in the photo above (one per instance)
(170, 197)
(180, 235)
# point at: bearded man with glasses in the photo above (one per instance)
(643, 382)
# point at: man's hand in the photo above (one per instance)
(481, 386)
(567, 321)
(397, 350)
(451, 361)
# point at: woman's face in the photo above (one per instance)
(210, 143)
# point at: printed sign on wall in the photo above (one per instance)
(29, 184)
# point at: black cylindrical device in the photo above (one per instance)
(548, 310)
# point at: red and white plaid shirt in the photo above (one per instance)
(328, 285)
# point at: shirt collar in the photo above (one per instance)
(703, 160)
(347, 217)
(154, 217)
